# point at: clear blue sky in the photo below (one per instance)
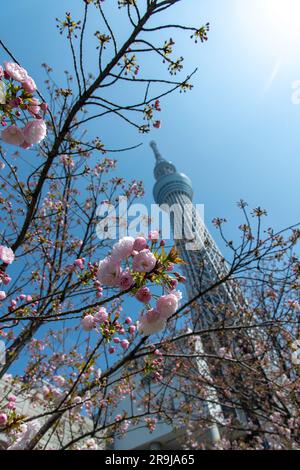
(237, 133)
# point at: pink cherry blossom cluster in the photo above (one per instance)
(21, 436)
(110, 272)
(9, 406)
(154, 320)
(151, 423)
(135, 188)
(149, 111)
(15, 98)
(6, 254)
(67, 160)
(105, 166)
(23, 297)
(156, 106)
(7, 257)
(36, 345)
(100, 320)
(142, 262)
(131, 263)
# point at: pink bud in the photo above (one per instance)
(144, 295)
(173, 283)
(128, 321)
(140, 244)
(125, 344)
(2, 295)
(157, 105)
(3, 419)
(6, 280)
(79, 263)
(132, 329)
(153, 235)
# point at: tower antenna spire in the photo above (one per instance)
(157, 153)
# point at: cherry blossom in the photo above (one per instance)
(29, 85)
(140, 243)
(13, 135)
(15, 71)
(151, 322)
(125, 344)
(144, 261)
(88, 323)
(153, 235)
(3, 419)
(122, 249)
(6, 254)
(167, 305)
(2, 295)
(101, 316)
(144, 295)
(35, 131)
(34, 106)
(109, 272)
(126, 280)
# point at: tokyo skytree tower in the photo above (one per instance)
(216, 302)
(217, 299)
(205, 264)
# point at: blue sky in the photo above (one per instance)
(236, 134)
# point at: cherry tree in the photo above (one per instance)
(63, 310)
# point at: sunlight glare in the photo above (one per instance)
(283, 16)
(271, 23)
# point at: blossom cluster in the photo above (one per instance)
(5, 412)
(16, 97)
(149, 113)
(131, 264)
(7, 257)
